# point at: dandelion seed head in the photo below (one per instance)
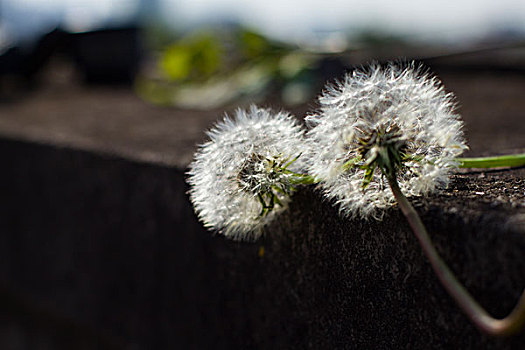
(241, 163)
(397, 108)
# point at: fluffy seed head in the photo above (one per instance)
(242, 178)
(402, 111)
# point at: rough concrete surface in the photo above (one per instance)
(100, 248)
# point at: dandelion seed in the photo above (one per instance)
(402, 112)
(243, 177)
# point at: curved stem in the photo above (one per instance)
(512, 160)
(499, 327)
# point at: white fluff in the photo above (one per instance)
(223, 199)
(363, 102)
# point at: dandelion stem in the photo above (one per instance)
(513, 160)
(509, 325)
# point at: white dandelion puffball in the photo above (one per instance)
(242, 178)
(401, 108)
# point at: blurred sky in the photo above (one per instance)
(447, 20)
(299, 20)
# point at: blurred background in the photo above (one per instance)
(211, 53)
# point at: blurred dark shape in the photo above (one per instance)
(19, 66)
(35, 60)
(12, 77)
(106, 56)
(331, 67)
(502, 58)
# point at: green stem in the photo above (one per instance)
(513, 160)
(498, 327)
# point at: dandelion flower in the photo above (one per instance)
(242, 178)
(401, 111)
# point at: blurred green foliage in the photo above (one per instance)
(232, 65)
(196, 57)
(253, 45)
(209, 69)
